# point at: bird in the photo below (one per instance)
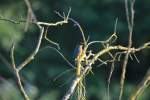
(78, 52)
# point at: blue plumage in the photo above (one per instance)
(77, 52)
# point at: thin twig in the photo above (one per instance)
(10, 20)
(88, 67)
(12, 56)
(130, 21)
(49, 40)
(31, 57)
(79, 26)
(81, 30)
(16, 71)
(59, 22)
(113, 61)
(35, 51)
(75, 82)
(30, 15)
(69, 63)
(142, 86)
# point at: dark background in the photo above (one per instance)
(97, 17)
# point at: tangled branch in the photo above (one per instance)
(87, 58)
(18, 68)
(88, 66)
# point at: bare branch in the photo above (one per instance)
(57, 23)
(81, 30)
(79, 26)
(130, 21)
(30, 15)
(31, 57)
(52, 24)
(21, 86)
(92, 61)
(16, 71)
(35, 51)
(69, 63)
(88, 58)
(142, 86)
(12, 57)
(10, 20)
(49, 40)
(74, 84)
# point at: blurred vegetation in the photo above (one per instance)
(97, 17)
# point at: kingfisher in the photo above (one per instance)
(78, 52)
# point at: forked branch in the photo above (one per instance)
(18, 68)
(130, 21)
(98, 55)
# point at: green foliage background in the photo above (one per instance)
(97, 17)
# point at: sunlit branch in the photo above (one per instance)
(79, 26)
(92, 61)
(141, 87)
(130, 21)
